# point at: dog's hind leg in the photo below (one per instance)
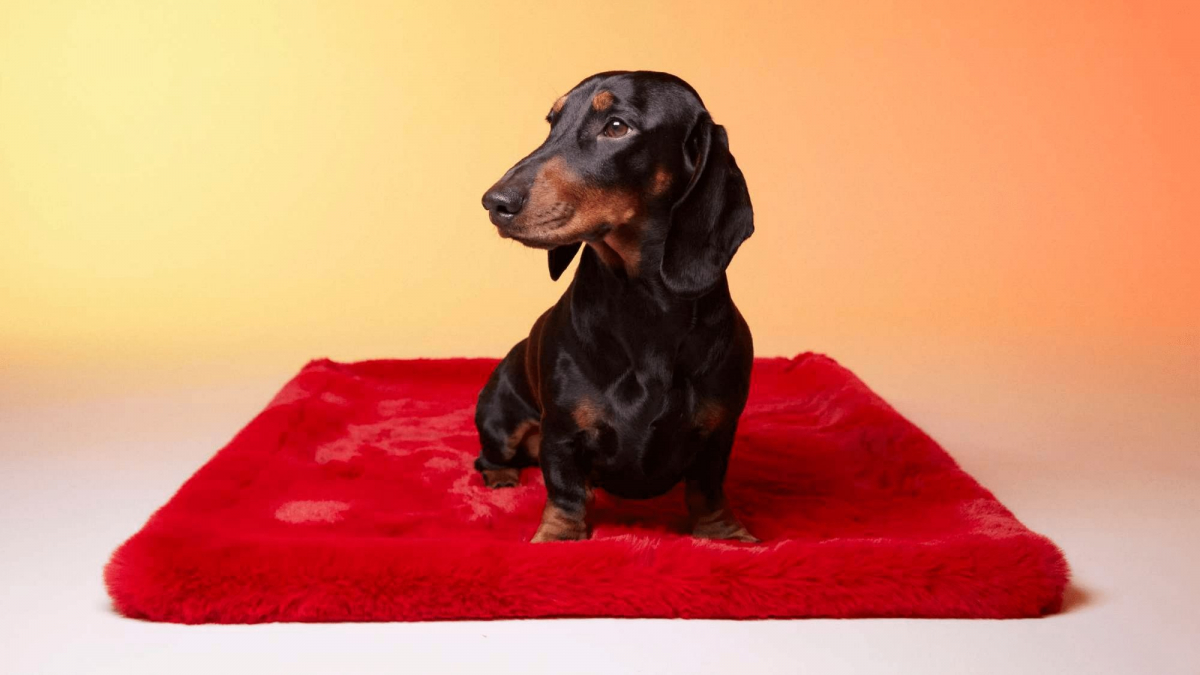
(508, 422)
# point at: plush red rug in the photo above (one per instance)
(352, 498)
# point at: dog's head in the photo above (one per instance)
(634, 167)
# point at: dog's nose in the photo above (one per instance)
(503, 204)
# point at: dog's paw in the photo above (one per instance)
(501, 478)
(545, 534)
(725, 530)
(744, 536)
(560, 525)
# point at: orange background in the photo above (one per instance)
(224, 190)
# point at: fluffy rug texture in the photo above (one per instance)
(352, 498)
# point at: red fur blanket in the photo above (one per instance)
(352, 498)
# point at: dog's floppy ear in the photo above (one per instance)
(560, 257)
(711, 219)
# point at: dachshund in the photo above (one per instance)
(634, 380)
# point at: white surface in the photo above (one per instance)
(80, 476)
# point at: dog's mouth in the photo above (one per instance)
(553, 230)
(532, 242)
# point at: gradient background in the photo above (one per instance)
(201, 192)
(989, 211)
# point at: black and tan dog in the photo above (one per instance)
(635, 379)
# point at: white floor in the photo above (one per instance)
(1119, 496)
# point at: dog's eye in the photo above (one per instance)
(615, 128)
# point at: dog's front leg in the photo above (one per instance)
(704, 489)
(566, 491)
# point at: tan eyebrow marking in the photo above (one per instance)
(602, 101)
(558, 105)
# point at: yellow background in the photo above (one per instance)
(203, 191)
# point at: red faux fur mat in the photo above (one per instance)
(352, 498)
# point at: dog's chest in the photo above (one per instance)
(640, 444)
